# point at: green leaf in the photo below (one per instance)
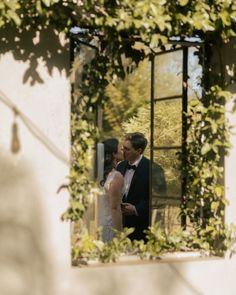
(183, 2)
(47, 2)
(219, 191)
(11, 14)
(214, 206)
(39, 6)
(194, 102)
(225, 17)
(205, 148)
(226, 94)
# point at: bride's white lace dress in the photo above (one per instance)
(106, 219)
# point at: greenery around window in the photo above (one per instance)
(132, 30)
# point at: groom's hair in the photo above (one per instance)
(137, 139)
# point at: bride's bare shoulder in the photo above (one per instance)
(118, 176)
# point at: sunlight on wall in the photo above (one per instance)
(25, 261)
(35, 243)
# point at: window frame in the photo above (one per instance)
(184, 46)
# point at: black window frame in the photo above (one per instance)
(183, 45)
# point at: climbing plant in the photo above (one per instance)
(207, 144)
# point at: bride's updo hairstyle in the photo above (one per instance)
(110, 148)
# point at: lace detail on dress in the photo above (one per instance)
(108, 233)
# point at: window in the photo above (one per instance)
(175, 79)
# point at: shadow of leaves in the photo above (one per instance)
(35, 47)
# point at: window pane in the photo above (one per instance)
(166, 163)
(195, 74)
(166, 202)
(168, 123)
(167, 214)
(168, 74)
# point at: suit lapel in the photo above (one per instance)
(124, 168)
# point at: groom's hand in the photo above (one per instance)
(128, 209)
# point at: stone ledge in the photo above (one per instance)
(169, 257)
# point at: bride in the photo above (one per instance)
(113, 184)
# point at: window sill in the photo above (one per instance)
(169, 257)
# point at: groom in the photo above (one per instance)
(135, 168)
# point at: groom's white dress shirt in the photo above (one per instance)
(129, 175)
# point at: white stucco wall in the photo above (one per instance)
(228, 57)
(230, 163)
(202, 277)
(30, 179)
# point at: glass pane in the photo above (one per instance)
(168, 74)
(167, 215)
(166, 166)
(166, 188)
(168, 123)
(194, 73)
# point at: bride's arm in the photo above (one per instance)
(114, 195)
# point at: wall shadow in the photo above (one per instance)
(180, 277)
(33, 46)
(25, 267)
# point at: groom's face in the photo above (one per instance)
(130, 154)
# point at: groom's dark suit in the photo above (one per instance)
(138, 196)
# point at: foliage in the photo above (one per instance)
(207, 144)
(82, 189)
(39, 14)
(88, 247)
(126, 97)
(124, 22)
(142, 18)
(159, 242)
(8, 12)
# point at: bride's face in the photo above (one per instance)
(119, 155)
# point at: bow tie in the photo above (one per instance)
(131, 167)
